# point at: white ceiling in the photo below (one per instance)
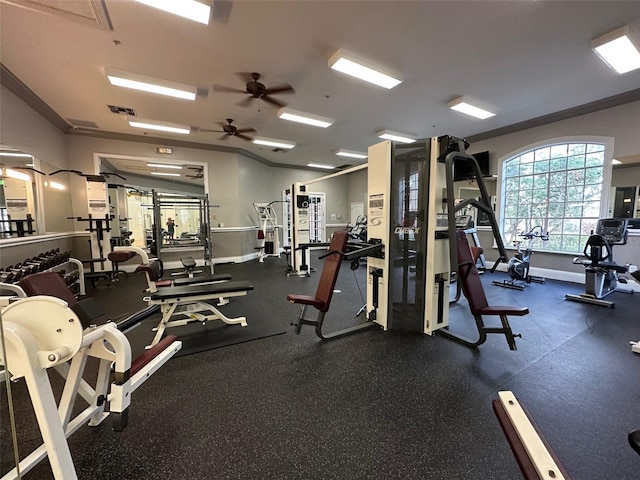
(521, 59)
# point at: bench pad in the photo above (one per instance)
(199, 290)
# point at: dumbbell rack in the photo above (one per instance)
(49, 261)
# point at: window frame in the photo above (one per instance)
(607, 142)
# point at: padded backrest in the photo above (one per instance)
(48, 283)
(152, 269)
(331, 270)
(468, 275)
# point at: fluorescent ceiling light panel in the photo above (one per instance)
(196, 11)
(272, 142)
(306, 118)
(615, 161)
(460, 105)
(136, 81)
(320, 165)
(17, 175)
(161, 126)
(395, 136)
(350, 153)
(617, 50)
(165, 174)
(350, 64)
(14, 154)
(164, 165)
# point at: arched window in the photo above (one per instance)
(558, 186)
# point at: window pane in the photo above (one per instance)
(575, 177)
(573, 210)
(511, 210)
(512, 197)
(526, 168)
(556, 210)
(571, 243)
(576, 161)
(595, 159)
(555, 242)
(592, 192)
(527, 157)
(559, 151)
(542, 166)
(524, 210)
(512, 168)
(558, 164)
(512, 184)
(526, 183)
(555, 226)
(540, 181)
(571, 226)
(591, 209)
(593, 175)
(558, 179)
(557, 194)
(588, 226)
(595, 147)
(574, 194)
(542, 153)
(575, 148)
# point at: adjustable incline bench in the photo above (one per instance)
(474, 292)
(45, 331)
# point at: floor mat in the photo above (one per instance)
(197, 337)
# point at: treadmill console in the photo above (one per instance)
(614, 230)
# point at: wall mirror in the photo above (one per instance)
(31, 201)
(132, 181)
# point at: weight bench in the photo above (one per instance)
(189, 265)
(117, 257)
(473, 290)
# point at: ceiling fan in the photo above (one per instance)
(255, 89)
(230, 130)
(198, 172)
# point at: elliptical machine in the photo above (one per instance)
(518, 267)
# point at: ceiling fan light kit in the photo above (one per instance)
(395, 136)
(135, 81)
(273, 142)
(305, 118)
(461, 105)
(617, 50)
(160, 126)
(190, 9)
(363, 69)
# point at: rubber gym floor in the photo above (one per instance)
(375, 405)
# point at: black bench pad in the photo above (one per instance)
(218, 277)
(197, 290)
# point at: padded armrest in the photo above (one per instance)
(150, 354)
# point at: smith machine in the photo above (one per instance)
(412, 214)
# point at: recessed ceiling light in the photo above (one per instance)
(273, 142)
(55, 185)
(361, 68)
(136, 81)
(320, 165)
(350, 153)
(196, 11)
(460, 105)
(306, 118)
(617, 50)
(395, 136)
(165, 174)
(615, 161)
(161, 126)
(164, 165)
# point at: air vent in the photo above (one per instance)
(122, 110)
(280, 150)
(81, 123)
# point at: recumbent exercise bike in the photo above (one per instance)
(601, 271)
(518, 267)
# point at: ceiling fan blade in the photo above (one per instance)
(223, 138)
(223, 89)
(273, 101)
(244, 130)
(244, 137)
(245, 102)
(211, 131)
(286, 88)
